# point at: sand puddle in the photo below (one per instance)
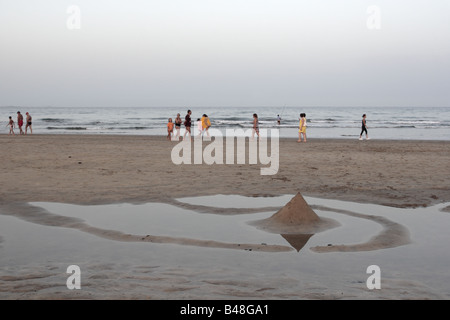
(165, 251)
(252, 225)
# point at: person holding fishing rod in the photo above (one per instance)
(279, 117)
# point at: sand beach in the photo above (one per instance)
(87, 200)
(93, 169)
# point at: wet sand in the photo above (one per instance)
(161, 251)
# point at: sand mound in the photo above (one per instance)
(296, 217)
(296, 211)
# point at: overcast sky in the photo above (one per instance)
(225, 53)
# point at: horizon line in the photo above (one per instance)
(231, 106)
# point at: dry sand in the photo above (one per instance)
(93, 169)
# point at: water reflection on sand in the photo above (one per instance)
(192, 237)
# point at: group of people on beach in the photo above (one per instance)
(12, 124)
(302, 127)
(203, 125)
(301, 130)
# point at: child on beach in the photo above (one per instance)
(169, 129)
(363, 128)
(199, 127)
(11, 125)
(302, 128)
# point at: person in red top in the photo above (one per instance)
(20, 121)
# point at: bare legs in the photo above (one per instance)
(188, 131)
(300, 137)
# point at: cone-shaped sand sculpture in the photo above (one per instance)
(296, 217)
(296, 211)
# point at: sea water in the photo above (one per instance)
(405, 123)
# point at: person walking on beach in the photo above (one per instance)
(363, 128)
(255, 126)
(11, 125)
(199, 126)
(20, 121)
(206, 123)
(302, 128)
(187, 124)
(28, 124)
(178, 122)
(169, 129)
(278, 119)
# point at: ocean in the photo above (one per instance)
(409, 123)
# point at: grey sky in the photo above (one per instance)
(227, 52)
